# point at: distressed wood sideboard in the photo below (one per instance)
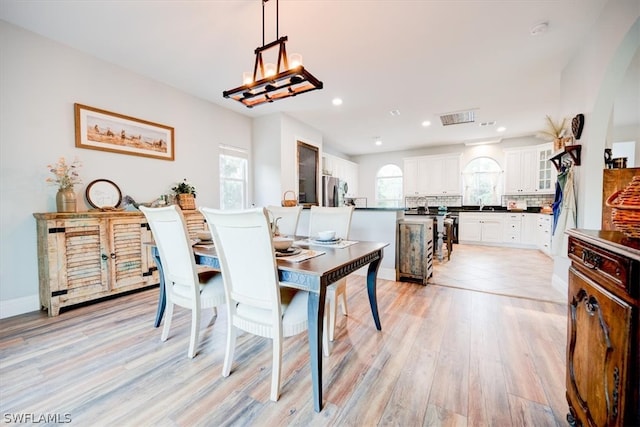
(90, 255)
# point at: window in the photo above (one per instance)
(233, 178)
(389, 186)
(482, 183)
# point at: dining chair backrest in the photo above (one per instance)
(289, 216)
(324, 218)
(245, 249)
(176, 255)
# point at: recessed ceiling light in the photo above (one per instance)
(426, 123)
(377, 140)
(501, 129)
(337, 101)
(394, 112)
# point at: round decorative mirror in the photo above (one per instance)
(103, 193)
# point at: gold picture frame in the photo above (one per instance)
(103, 130)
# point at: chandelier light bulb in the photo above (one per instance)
(270, 70)
(295, 60)
(247, 78)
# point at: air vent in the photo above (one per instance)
(458, 118)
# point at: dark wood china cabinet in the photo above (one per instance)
(603, 335)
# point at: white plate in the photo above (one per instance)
(288, 252)
(325, 242)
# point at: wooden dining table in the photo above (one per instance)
(312, 275)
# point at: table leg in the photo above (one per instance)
(315, 312)
(440, 225)
(162, 299)
(372, 275)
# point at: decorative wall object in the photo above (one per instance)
(577, 124)
(106, 131)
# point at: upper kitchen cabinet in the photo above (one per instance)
(342, 169)
(432, 175)
(546, 171)
(414, 179)
(528, 171)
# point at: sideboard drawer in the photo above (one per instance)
(602, 266)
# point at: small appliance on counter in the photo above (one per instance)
(516, 205)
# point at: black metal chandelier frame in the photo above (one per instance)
(285, 83)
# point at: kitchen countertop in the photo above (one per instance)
(472, 209)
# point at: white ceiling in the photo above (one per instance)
(423, 58)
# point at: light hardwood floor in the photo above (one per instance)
(445, 356)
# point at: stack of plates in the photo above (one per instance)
(326, 242)
(288, 252)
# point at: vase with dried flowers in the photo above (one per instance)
(65, 176)
(186, 194)
(556, 131)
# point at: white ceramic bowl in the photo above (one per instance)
(204, 235)
(326, 235)
(282, 243)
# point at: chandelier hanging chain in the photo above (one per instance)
(277, 20)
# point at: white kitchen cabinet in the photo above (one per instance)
(547, 174)
(415, 176)
(443, 175)
(344, 170)
(432, 175)
(528, 170)
(520, 171)
(543, 233)
(478, 227)
(520, 228)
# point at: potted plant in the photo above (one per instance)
(186, 194)
(555, 132)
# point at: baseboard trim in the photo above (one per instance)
(17, 306)
(559, 284)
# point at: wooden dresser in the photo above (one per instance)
(90, 255)
(603, 333)
(414, 247)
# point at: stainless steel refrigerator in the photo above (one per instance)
(330, 191)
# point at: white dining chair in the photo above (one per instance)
(338, 219)
(186, 284)
(289, 217)
(256, 302)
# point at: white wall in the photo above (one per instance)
(40, 80)
(590, 83)
(275, 156)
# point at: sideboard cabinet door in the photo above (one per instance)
(597, 351)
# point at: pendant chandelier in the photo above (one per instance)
(272, 82)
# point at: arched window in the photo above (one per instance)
(482, 183)
(389, 186)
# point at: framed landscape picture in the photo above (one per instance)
(106, 131)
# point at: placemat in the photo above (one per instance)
(304, 255)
